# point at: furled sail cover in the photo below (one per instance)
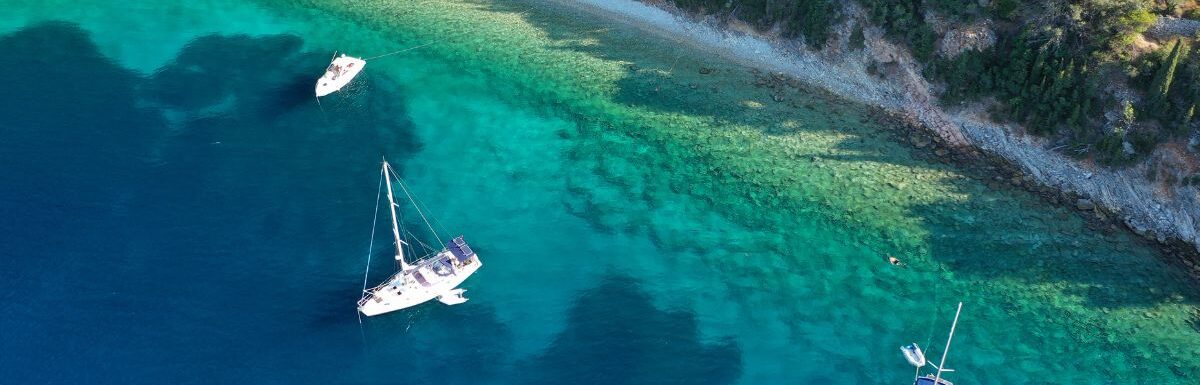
(929, 381)
(460, 249)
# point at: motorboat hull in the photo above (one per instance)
(340, 72)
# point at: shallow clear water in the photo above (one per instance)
(177, 208)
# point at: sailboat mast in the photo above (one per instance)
(942, 363)
(395, 227)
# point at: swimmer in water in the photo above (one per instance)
(894, 261)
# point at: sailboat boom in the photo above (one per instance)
(946, 350)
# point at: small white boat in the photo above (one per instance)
(913, 354)
(434, 276)
(340, 72)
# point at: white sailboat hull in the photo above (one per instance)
(420, 284)
(434, 276)
(340, 72)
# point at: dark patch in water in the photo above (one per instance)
(291, 94)
(615, 335)
(212, 67)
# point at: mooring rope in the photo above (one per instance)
(322, 108)
(393, 53)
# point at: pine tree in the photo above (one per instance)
(1157, 103)
(1014, 75)
(1073, 120)
(857, 39)
(1085, 108)
(1039, 65)
(1185, 121)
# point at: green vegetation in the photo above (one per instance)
(1078, 71)
(1157, 95)
(857, 39)
(903, 22)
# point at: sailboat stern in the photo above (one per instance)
(460, 249)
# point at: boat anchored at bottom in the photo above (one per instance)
(340, 72)
(434, 276)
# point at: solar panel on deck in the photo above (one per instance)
(460, 249)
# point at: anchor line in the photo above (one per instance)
(400, 51)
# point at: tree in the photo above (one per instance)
(1128, 116)
(857, 39)
(1112, 146)
(1161, 85)
(1073, 119)
(1185, 120)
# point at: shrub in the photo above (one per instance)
(857, 40)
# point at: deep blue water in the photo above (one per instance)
(145, 249)
(207, 249)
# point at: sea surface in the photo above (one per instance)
(177, 208)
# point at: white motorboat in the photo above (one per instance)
(340, 72)
(434, 276)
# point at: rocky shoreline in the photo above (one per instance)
(999, 173)
(884, 78)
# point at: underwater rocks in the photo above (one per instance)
(920, 141)
(967, 136)
(999, 173)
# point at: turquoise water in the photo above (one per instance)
(177, 208)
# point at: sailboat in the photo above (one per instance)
(436, 275)
(340, 72)
(916, 357)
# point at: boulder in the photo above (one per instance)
(919, 141)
